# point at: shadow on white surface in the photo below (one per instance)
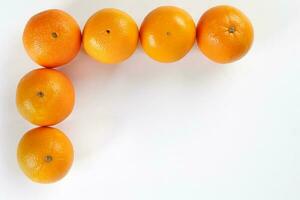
(105, 92)
(101, 89)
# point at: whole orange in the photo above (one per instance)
(45, 154)
(167, 33)
(52, 38)
(110, 36)
(45, 97)
(224, 34)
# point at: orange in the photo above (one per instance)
(45, 154)
(167, 33)
(52, 38)
(224, 34)
(45, 97)
(110, 36)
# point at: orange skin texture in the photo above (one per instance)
(167, 34)
(46, 48)
(45, 97)
(45, 154)
(224, 34)
(110, 36)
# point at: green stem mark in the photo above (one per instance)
(48, 158)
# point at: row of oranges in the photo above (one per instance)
(45, 97)
(53, 38)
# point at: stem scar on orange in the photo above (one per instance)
(45, 154)
(110, 36)
(45, 97)
(167, 34)
(224, 34)
(52, 38)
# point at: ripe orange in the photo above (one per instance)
(224, 34)
(52, 38)
(45, 154)
(167, 33)
(110, 36)
(45, 97)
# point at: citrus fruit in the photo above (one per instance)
(224, 34)
(52, 38)
(45, 97)
(110, 36)
(167, 33)
(45, 154)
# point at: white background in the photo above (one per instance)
(184, 131)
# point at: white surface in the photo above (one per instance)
(149, 131)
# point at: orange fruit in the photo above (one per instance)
(167, 33)
(110, 36)
(224, 34)
(45, 154)
(52, 38)
(45, 97)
